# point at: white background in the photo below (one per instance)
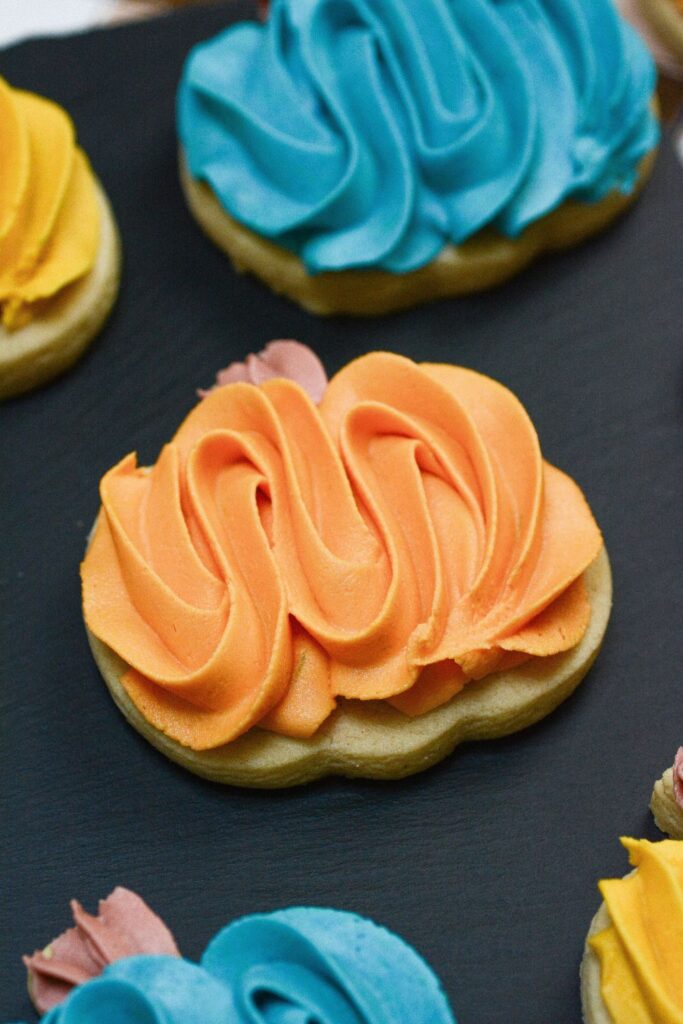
(21, 18)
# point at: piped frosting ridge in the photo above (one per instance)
(401, 538)
(49, 208)
(374, 133)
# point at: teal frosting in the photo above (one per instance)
(372, 133)
(297, 966)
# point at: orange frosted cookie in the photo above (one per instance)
(350, 587)
(59, 250)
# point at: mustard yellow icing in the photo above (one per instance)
(641, 952)
(49, 210)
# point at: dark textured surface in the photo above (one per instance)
(486, 863)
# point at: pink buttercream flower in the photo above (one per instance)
(124, 926)
(678, 777)
(285, 358)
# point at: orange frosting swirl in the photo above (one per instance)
(398, 540)
(49, 210)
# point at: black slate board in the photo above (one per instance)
(488, 862)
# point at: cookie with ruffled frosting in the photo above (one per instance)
(59, 246)
(350, 586)
(632, 963)
(300, 963)
(362, 157)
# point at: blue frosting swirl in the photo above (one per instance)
(298, 966)
(372, 133)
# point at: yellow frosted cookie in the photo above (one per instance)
(59, 246)
(351, 587)
(632, 961)
(361, 158)
(594, 1009)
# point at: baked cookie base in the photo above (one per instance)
(482, 261)
(667, 814)
(370, 739)
(52, 341)
(594, 1009)
(666, 22)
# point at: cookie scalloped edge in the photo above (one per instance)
(483, 261)
(594, 1009)
(370, 739)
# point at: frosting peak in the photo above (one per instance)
(373, 133)
(641, 952)
(49, 211)
(298, 965)
(394, 542)
(124, 926)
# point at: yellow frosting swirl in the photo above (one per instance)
(49, 210)
(641, 952)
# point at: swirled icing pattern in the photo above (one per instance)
(641, 952)
(394, 542)
(372, 133)
(49, 212)
(295, 966)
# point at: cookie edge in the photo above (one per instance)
(592, 1005)
(52, 342)
(349, 743)
(485, 260)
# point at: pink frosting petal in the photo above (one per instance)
(124, 926)
(283, 358)
(233, 374)
(678, 777)
(260, 369)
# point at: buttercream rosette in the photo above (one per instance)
(124, 926)
(301, 964)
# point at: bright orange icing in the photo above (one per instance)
(398, 540)
(49, 211)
